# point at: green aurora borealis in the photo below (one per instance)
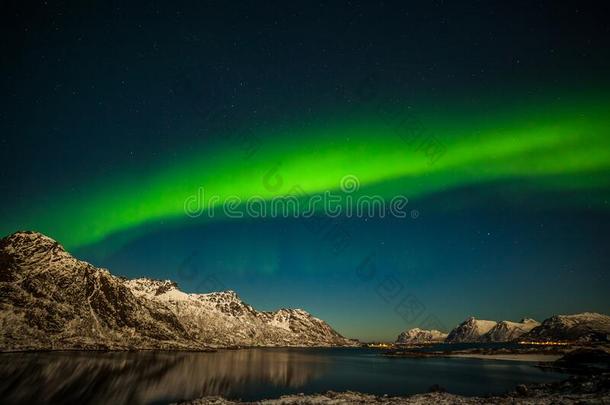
(115, 115)
(553, 144)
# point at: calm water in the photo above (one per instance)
(81, 377)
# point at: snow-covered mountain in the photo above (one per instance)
(476, 330)
(588, 326)
(506, 331)
(417, 335)
(471, 330)
(50, 300)
(222, 318)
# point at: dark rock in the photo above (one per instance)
(436, 388)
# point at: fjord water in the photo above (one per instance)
(249, 374)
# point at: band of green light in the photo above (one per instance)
(560, 145)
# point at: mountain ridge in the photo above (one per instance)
(470, 330)
(581, 327)
(50, 300)
(417, 335)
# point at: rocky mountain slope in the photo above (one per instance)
(222, 318)
(50, 300)
(585, 327)
(416, 335)
(471, 330)
(506, 331)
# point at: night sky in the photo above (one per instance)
(113, 114)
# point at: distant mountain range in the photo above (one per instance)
(418, 335)
(588, 326)
(51, 301)
(476, 330)
(585, 327)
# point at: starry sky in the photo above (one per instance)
(492, 118)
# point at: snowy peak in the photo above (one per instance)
(417, 335)
(227, 302)
(52, 301)
(222, 318)
(476, 330)
(26, 247)
(470, 330)
(305, 325)
(506, 331)
(221, 297)
(28, 239)
(286, 316)
(584, 327)
(151, 287)
(587, 326)
(280, 319)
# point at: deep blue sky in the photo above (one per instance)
(94, 91)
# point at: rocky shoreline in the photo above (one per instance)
(583, 389)
(573, 359)
(417, 351)
(589, 384)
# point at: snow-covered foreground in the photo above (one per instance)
(576, 390)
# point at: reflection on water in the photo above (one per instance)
(149, 377)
